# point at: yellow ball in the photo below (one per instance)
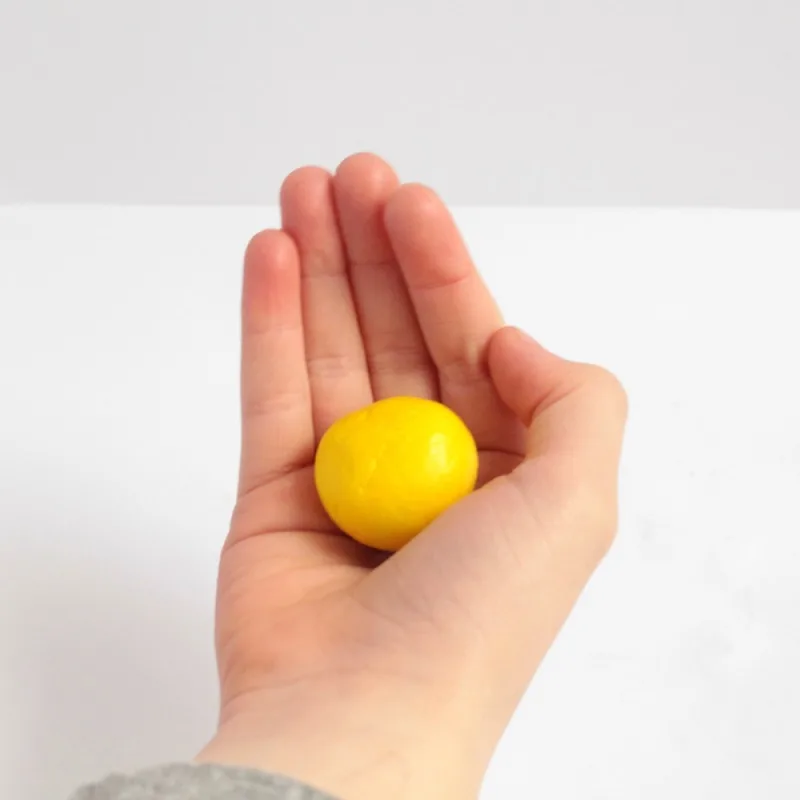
(387, 471)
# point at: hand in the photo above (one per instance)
(395, 677)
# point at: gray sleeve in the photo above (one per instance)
(198, 782)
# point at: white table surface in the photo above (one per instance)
(677, 676)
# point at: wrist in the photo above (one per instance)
(362, 738)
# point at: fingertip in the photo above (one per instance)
(413, 204)
(511, 345)
(271, 282)
(307, 175)
(510, 337)
(362, 185)
(430, 249)
(305, 191)
(515, 361)
(272, 246)
(365, 178)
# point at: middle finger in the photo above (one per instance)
(399, 362)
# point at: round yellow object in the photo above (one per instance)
(387, 471)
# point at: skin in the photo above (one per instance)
(364, 675)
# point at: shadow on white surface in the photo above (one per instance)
(107, 660)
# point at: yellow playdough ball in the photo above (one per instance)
(385, 472)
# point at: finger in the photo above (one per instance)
(456, 312)
(576, 416)
(277, 432)
(574, 412)
(399, 363)
(337, 367)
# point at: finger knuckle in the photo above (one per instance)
(398, 359)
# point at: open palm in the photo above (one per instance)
(367, 292)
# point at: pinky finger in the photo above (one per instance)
(277, 430)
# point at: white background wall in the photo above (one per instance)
(577, 102)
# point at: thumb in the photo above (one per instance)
(575, 415)
(513, 556)
(560, 501)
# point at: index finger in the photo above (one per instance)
(456, 312)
